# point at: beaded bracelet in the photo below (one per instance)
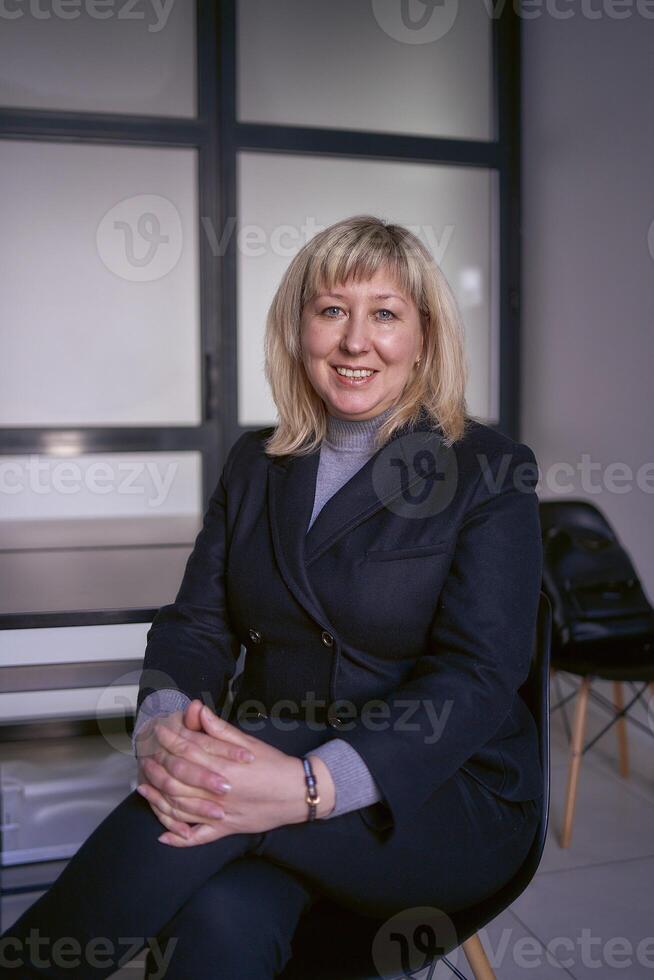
(312, 796)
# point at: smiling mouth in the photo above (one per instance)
(344, 372)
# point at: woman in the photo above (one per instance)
(377, 552)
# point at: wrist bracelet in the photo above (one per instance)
(312, 796)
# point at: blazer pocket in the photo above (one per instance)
(382, 554)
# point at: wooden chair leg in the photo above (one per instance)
(621, 725)
(576, 748)
(476, 957)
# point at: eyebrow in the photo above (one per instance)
(374, 296)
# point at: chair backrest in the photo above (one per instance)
(536, 694)
(597, 598)
(575, 512)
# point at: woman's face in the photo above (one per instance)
(361, 325)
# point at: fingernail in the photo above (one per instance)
(221, 786)
(215, 812)
(247, 757)
(142, 790)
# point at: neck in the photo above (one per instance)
(354, 434)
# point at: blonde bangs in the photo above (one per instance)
(358, 255)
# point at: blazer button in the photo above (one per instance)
(254, 635)
(261, 714)
(336, 722)
(327, 638)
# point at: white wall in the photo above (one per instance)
(588, 300)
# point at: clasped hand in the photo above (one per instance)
(204, 778)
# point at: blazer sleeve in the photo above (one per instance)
(479, 647)
(190, 646)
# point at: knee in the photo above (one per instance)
(232, 929)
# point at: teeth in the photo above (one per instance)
(347, 373)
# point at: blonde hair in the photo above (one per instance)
(356, 248)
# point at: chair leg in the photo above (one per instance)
(576, 749)
(476, 957)
(621, 725)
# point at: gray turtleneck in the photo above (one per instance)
(347, 445)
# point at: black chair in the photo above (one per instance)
(333, 944)
(603, 639)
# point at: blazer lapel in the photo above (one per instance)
(291, 494)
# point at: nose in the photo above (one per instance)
(356, 332)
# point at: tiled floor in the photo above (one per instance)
(589, 912)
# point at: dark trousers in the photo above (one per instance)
(228, 909)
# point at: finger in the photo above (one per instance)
(202, 833)
(186, 750)
(220, 728)
(181, 829)
(209, 834)
(172, 839)
(146, 743)
(192, 715)
(184, 792)
(179, 781)
(217, 746)
(158, 800)
(184, 808)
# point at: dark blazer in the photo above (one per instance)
(409, 608)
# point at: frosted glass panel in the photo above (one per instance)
(79, 644)
(95, 488)
(100, 57)
(99, 289)
(285, 200)
(384, 65)
(96, 531)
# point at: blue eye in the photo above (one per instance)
(387, 319)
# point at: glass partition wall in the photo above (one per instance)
(159, 170)
(404, 110)
(110, 435)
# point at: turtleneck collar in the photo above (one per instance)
(354, 434)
